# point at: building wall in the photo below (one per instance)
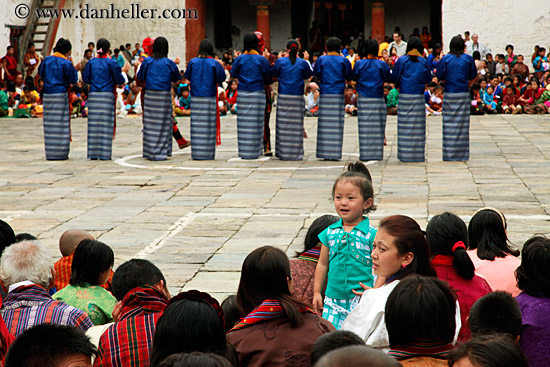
(405, 14)
(499, 23)
(244, 19)
(7, 17)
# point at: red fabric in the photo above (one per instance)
(148, 45)
(128, 342)
(5, 337)
(11, 65)
(63, 273)
(269, 309)
(231, 100)
(467, 290)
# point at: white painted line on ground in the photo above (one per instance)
(161, 241)
(124, 162)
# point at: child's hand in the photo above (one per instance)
(365, 287)
(318, 303)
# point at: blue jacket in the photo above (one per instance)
(252, 71)
(101, 74)
(204, 74)
(158, 74)
(456, 71)
(370, 75)
(58, 74)
(410, 76)
(333, 71)
(291, 77)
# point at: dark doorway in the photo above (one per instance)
(301, 20)
(435, 20)
(222, 24)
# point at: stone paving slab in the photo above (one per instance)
(197, 220)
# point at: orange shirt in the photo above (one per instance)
(63, 273)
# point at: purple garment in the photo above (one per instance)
(535, 331)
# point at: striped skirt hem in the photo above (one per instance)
(250, 123)
(101, 124)
(157, 125)
(371, 116)
(330, 126)
(411, 128)
(289, 138)
(57, 126)
(456, 127)
(203, 128)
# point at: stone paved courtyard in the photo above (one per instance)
(198, 220)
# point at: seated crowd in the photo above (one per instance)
(454, 295)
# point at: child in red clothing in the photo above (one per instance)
(510, 102)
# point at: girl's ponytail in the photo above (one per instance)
(462, 262)
(358, 167)
(292, 47)
(447, 234)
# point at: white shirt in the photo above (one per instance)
(368, 319)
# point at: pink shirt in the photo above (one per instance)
(499, 273)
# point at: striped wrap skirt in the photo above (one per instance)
(371, 116)
(411, 128)
(203, 128)
(157, 125)
(289, 138)
(456, 127)
(57, 126)
(330, 126)
(101, 124)
(250, 123)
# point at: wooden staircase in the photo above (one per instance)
(40, 31)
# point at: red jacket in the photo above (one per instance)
(467, 290)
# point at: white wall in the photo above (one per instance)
(7, 17)
(405, 14)
(523, 24)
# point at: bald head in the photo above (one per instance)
(70, 240)
(357, 356)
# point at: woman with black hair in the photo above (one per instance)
(447, 237)
(90, 269)
(411, 73)
(252, 69)
(456, 69)
(58, 73)
(158, 72)
(291, 72)
(204, 74)
(303, 267)
(421, 318)
(189, 324)
(400, 249)
(533, 276)
(102, 74)
(333, 70)
(275, 327)
(370, 75)
(497, 350)
(493, 257)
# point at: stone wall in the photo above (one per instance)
(498, 23)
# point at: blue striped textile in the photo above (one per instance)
(330, 126)
(411, 128)
(456, 127)
(203, 128)
(250, 123)
(371, 115)
(57, 126)
(101, 124)
(289, 132)
(157, 125)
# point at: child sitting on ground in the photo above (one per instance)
(350, 99)
(436, 102)
(510, 101)
(489, 100)
(476, 107)
(68, 242)
(392, 98)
